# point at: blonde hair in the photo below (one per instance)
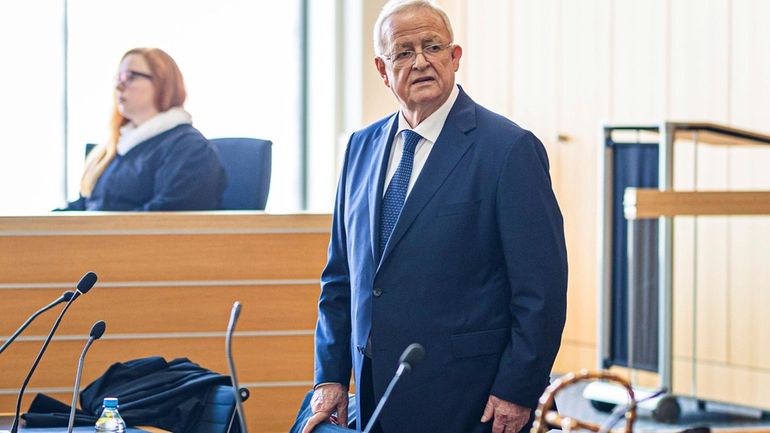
(169, 92)
(396, 6)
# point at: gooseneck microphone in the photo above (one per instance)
(96, 333)
(84, 285)
(411, 356)
(65, 297)
(234, 313)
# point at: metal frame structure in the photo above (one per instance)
(667, 133)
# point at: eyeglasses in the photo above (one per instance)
(407, 57)
(127, 77)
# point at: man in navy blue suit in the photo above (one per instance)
(446, 232)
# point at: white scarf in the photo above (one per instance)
(131, 135)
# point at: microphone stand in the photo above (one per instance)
(85, 284)
(63, 298)
(96, 333)
(234, 313)
(412, 355)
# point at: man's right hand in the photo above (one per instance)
(327, 399)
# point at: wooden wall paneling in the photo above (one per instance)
(574, 356)
(683, 286)
(162, 257)
(639, 61)
(749, 65)
(638, 76)
(699, 60)
(749, 303)
(265, 308)
(742, 385)
(458, 13)
(711, 279)
(487, 55)
(535, 71)
(682, 378)
(748, 271)
(683, 269)
(698, 90)
(258, 358)
(376, 99)
(79, 223)
(584, 99)
(272, 410)
(534, 80)
(166, 290)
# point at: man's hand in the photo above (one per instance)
(326, 399)
(509, 417)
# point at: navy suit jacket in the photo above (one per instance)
(475, 271)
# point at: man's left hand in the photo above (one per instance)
(508, 417)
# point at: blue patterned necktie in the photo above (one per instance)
(395, 195)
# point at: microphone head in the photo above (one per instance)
(85, 283)
(66, 296)
(412, 354)
(235, 312)
(98, 329)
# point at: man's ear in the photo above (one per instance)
(457, 53)
(380, 65)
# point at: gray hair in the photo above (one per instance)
(395, 6)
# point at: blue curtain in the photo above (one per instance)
(634, 165)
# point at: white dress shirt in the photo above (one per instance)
(429, 129)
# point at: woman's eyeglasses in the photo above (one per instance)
(127, 77)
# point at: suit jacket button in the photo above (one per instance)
(377, 293)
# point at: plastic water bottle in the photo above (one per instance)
(110, 420)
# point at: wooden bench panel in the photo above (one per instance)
(258, 359)
(133, 310)
(162, 257)
(167, 282)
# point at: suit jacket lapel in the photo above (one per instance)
(449, 148)
(381, 151)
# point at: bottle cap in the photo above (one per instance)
(111, 402)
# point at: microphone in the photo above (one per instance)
(411, 356)
(96, 333)
(65, 297)
(84, 285)
(620, 412)
(234, 313)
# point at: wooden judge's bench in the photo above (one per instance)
(167, 282)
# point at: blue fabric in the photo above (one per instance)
(305, 412)
(247, 163)
(634, 165)
(152, 392)
(395, 195)
(217, 412)
(175, 170)
(475, 270)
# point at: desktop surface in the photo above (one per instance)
(88, 429)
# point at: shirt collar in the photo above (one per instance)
(431, 127)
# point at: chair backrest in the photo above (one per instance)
(247, 163)
(219, 411)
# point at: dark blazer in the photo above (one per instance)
(176, 170)
(153, 392)
(475, 271)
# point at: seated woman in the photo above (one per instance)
(155, 159)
